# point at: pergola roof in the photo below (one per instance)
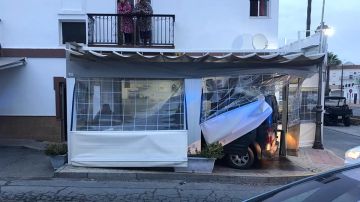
(297, 59)
(91, 63)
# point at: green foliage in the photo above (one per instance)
(214, 150)
(54, 149)
(333, 60)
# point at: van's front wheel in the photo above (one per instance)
(241, 161)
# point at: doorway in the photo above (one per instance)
(60, 103)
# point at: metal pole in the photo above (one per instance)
(284, 120)
(342, 80)
(319, 108)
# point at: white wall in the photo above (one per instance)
(218, 25)
(28, 90)
(35, 23)
(200, 24)
(311, 82)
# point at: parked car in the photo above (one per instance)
(352, 156)
(336, 110)
(338, 185)
(262, 142)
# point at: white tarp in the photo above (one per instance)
(128, 149)
(233, 124)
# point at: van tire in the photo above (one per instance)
(241, 162)
(346, 121)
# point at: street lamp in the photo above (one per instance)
(326, 30)
(329, 31)
(319, 108)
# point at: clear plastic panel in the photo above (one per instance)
(222, 94)
(128, 104)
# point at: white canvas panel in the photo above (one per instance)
(128, 149)
(233, 124)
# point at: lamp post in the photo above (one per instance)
(319, 108)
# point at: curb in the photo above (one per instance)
(186, 177)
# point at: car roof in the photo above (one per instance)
(293, 184)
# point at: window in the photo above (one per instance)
(308, 104)
(73, 32)
(128, 105)
(294, 103)
(259, 8)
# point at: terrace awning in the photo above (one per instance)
(9, 62)
(187, 65)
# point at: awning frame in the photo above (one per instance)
(10, 62)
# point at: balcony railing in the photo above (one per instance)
(107, 30)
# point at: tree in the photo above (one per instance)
(332, 60)
(308, 18)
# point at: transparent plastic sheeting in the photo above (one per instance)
(234, 106)
(104, 104)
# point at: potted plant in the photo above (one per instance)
(57, 153)
(203, 161)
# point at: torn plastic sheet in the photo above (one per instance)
(233, 124)
(234, 106)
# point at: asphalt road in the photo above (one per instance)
(339, 142)
(50, 189)
(85, 190)
(26, 175)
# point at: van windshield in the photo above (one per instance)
(335, 102)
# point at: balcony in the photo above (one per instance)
(106, 30)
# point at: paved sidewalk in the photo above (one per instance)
(31, 144)
(317, 161)
(351, 130)
(280, 170)
(24, 163)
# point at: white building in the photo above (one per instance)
(32, 98)
(350, 76)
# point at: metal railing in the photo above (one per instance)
(107, 30)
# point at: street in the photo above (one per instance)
(85, 190)
(339, 142)
(44, 188)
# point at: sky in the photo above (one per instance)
(343, 16)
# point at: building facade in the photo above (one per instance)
(349, 77)
(83, 81)
(40, 36)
